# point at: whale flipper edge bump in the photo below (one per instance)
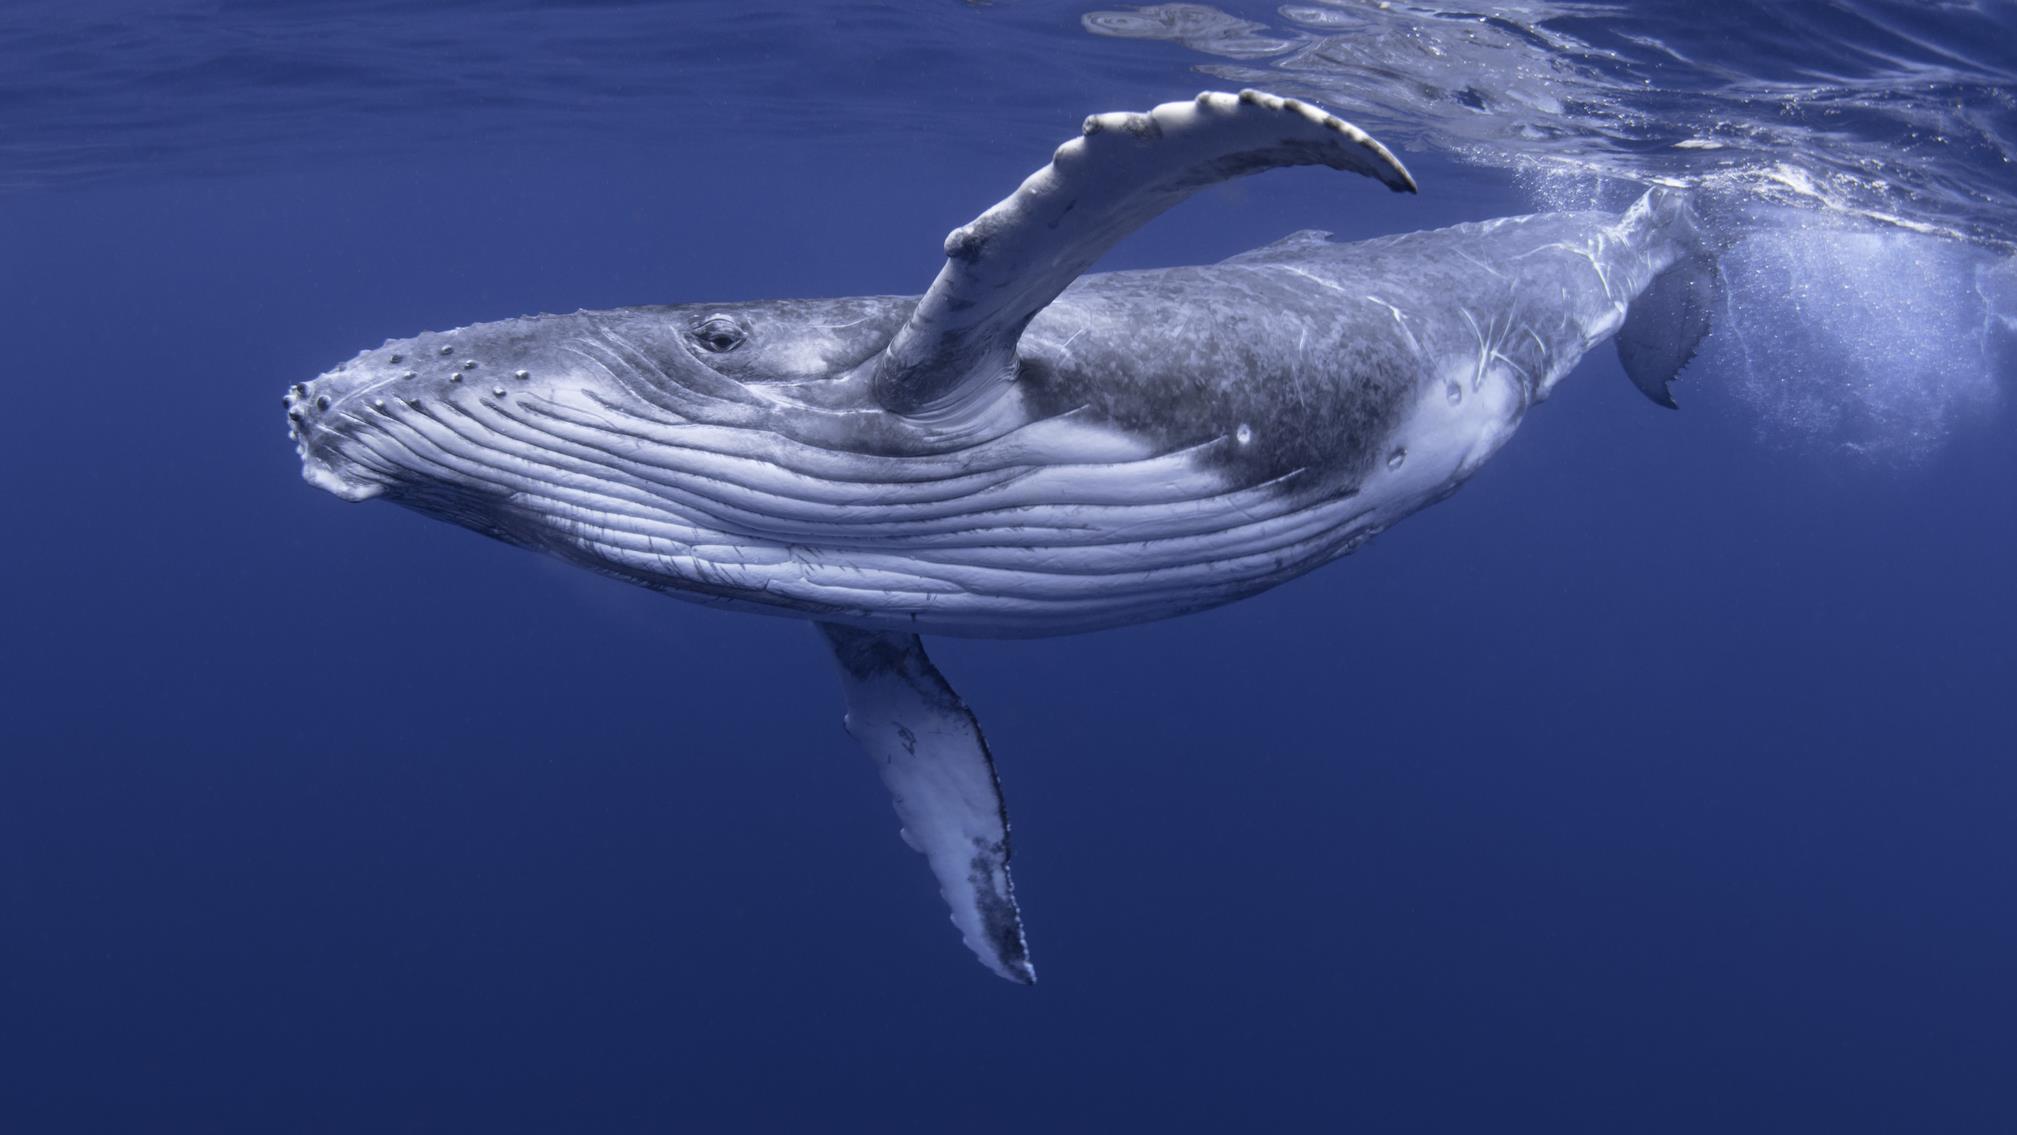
(1010, 262)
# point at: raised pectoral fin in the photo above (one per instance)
(1007, 264)
(928, 748)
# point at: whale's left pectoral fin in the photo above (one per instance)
(928, 747)
(1010, 262)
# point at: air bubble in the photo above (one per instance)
(1244, 434)
(1868, 344)
(1395, 458)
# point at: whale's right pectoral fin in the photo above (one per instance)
(928, 747)
(1007, 264)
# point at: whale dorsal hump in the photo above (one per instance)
(1008, 263)
(1302, 240)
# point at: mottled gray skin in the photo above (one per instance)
(984, 463)
(1168, 440)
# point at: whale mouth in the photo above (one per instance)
(317, 444)
(316, 473)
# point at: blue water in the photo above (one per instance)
(1660, 781)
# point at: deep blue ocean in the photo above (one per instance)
(1660, 781)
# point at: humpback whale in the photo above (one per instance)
(1025, 449)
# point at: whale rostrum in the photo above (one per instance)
(1023, 450)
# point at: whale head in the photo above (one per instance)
(623, 427)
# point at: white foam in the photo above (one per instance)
(1855, 340)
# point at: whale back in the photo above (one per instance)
(1313, 351)
(1172, 439)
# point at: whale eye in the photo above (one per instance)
(719, 333)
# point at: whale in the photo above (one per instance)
(1026, 448)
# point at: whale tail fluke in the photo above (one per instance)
(1665, 326)
(1667, 323)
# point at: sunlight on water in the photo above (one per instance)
(1860, 106)
(1866, 218)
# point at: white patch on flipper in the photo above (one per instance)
(929, 750)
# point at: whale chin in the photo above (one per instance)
(325, 478)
